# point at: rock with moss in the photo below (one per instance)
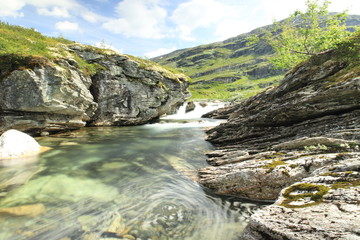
(297, 143)
(323, 206)
(82, 85)
(315, 111)
(131, 91)
(261, 176)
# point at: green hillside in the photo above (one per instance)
(25, 47)
(230, 69)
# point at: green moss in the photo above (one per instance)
(332, 174)
(240, 89)
(167, 72)
(304, 191)
(346, 184)
(12, 62)
(271, 166)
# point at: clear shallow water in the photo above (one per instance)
(119, 183)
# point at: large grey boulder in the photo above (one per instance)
(46, 98)
(129, 93)
(15, 144)
(41, 96)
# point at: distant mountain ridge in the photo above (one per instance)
(231, 68)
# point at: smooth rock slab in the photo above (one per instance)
(308, 215)
(14, 144)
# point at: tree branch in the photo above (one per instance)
(311, 53)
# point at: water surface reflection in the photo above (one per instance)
(119, 183)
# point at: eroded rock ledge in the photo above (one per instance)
(43, 96)
(305, 132)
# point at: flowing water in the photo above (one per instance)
(119, 183)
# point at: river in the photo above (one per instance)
(135, 182)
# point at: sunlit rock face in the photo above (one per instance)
(39, 96)
(15, 144)
(45, 98)
(299, 144)
(282, 135)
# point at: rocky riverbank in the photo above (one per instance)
(297, 143)
(42, 96)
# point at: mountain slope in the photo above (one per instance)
(229, 69)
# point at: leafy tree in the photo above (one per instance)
(303, 34)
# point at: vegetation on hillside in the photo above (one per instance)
(26, 48)
(304, 34)
(241, 67)
(225, 70)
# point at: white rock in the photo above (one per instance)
(14, 144)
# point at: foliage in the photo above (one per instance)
(235, 91)
(27, 48)
(304, 34)
(303, 191)
(319, 147)
(165, 71)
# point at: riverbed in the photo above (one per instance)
(135, 182)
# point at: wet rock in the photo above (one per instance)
(190, 106)
(26, 210)
(14, 144)
(203, 104)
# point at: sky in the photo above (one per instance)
(149, 28)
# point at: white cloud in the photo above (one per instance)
(159, 52)
(54, 12)
(277, 9)
(197, 13)
(91, 17)
(11, 8)
(67, 4)
(104, 45)
(353, 6)
(58, 8)
(138, 18)
(231, 27)
(67, 26)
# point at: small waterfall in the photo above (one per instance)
(196, 113)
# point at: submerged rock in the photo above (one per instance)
(60, 188)
(26, 210)
(15, 144)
